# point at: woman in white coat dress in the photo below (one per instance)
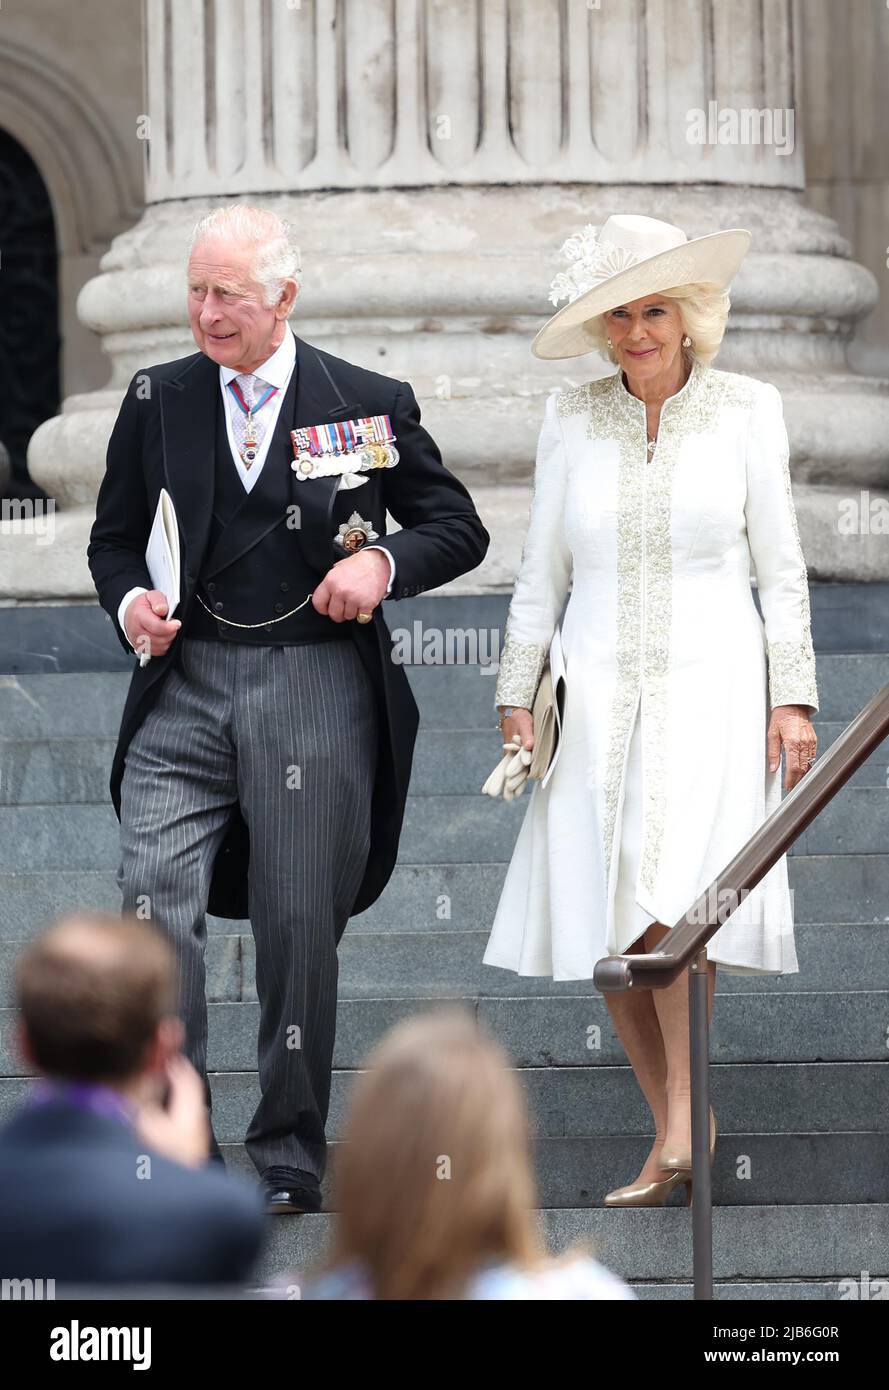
(660, 489)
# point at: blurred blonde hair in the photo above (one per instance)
(704, 309)
(436, 1175)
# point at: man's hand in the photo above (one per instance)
(145, 626)
(354, 585)
(790, 725)
(182, 1130)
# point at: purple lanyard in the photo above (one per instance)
(83, 1095)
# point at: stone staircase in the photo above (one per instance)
(800, 1074)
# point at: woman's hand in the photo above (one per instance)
(519, 723)
(790, 726)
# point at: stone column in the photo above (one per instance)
(434, 157)
(846, 115)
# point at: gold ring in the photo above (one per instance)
(365, 617)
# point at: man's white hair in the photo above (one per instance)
(276, 254)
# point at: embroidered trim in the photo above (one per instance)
(792, 673)
(574, 400)
(690, 411)
(645, 576)
(521, 665)
(610, 417)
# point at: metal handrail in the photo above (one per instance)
(684, 946)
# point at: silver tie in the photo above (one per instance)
(250, 386)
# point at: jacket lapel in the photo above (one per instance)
(187, 404)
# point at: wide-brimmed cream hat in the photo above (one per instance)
(627, 258)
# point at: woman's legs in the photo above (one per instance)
(671, 1006)
(636, 1023)
(652, 1026)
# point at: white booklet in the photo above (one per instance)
(162, 553)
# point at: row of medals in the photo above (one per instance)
(356, 532)
(307, 465)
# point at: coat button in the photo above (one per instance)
(279, 608)
(211, 587)
(285, 588)
(218, 607)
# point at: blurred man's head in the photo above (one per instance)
(98, 1001)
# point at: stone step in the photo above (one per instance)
(773, 1098)
(760, 1291)
(427, 965)
(229, 962)
(576, 1032)
(783, 1244)
(72, 770)
(749, 1169)
(436, 830)
(421, 965)
(449, 696)
(846, 617)
(828, 889)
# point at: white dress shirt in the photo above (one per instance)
(275, 371)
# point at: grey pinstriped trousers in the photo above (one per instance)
(291, 734)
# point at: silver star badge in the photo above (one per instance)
(355, 533)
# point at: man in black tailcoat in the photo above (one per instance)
(266, 742)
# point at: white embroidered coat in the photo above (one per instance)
(661, 625)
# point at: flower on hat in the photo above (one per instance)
(590, 261)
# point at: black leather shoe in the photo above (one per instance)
(291, 1190)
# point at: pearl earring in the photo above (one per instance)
(686, 341)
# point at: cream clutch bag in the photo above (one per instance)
(547, 713)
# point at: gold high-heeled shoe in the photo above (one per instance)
(650, 1194)
(684, 1160)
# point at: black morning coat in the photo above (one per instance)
(165, 437)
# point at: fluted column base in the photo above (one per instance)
(446, 287)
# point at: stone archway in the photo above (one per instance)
(80, 155)
(87, 170)
(29, 325)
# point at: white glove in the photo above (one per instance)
(511, 773)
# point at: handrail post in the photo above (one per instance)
(702, 1188)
